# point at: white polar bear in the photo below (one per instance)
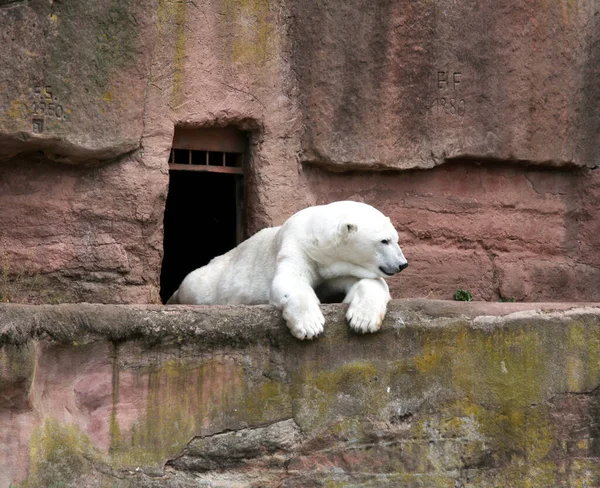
(343, 247)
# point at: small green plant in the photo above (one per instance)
(463, 296)
(502, 299)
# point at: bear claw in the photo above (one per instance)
(362, 323)
(308, 328)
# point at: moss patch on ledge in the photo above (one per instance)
(61, 456)
(186, 398)
(433, 399)
(17, 364)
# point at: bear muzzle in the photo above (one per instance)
(392, 270)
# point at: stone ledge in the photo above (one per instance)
(446, 394)
(238, 325)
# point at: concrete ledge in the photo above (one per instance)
(446, 394)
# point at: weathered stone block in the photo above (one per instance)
(73, 77)
(358, 85)
(468, 394)
(402, 85)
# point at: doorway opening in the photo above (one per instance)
(205, 203)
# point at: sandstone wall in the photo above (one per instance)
(447, 394)
(413, 84)
(492, 189)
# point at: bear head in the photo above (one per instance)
(367, 239)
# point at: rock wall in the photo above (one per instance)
(474, 128)
(447, 394)
(413, 84)
(502, 232)
(74, 77)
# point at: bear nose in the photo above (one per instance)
(402, 266)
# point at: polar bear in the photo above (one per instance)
(343, 247)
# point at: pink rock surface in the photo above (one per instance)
(68, 234)
(339, 86)
(73, 78)
(495, 230)
(397, 85)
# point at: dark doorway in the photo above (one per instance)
(203, 213)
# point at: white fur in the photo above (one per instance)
(335, 248)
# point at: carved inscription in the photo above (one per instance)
(448, 101)
(37, 125)
(45, 106)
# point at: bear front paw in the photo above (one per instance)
(363, 319)
(307, 324)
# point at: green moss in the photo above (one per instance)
(395, 480)
(335, 484)
(117, 38)
(174, 413)
(499, 379)
(171, 26)
(186, 396)
(583, 357)
(348, 429)
(481, 390)
(253, 30)
(316, 394)
(16, 112)
(270, 400)
(501, 374)
(506, 367)
(346, 377)
(17, 364)
(521, 439)
(110, 42)
(430, 360)
(116, 442)
(584, 473)
(60, 456)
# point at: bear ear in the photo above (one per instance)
(348, 228)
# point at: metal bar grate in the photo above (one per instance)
(209, 161)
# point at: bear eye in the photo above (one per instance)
(385, 241)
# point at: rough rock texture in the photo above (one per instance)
(447, 394)
(390, 84)
(382, 84)
(70, 234)
(502, 232)
(73, 77)
(339, 86)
